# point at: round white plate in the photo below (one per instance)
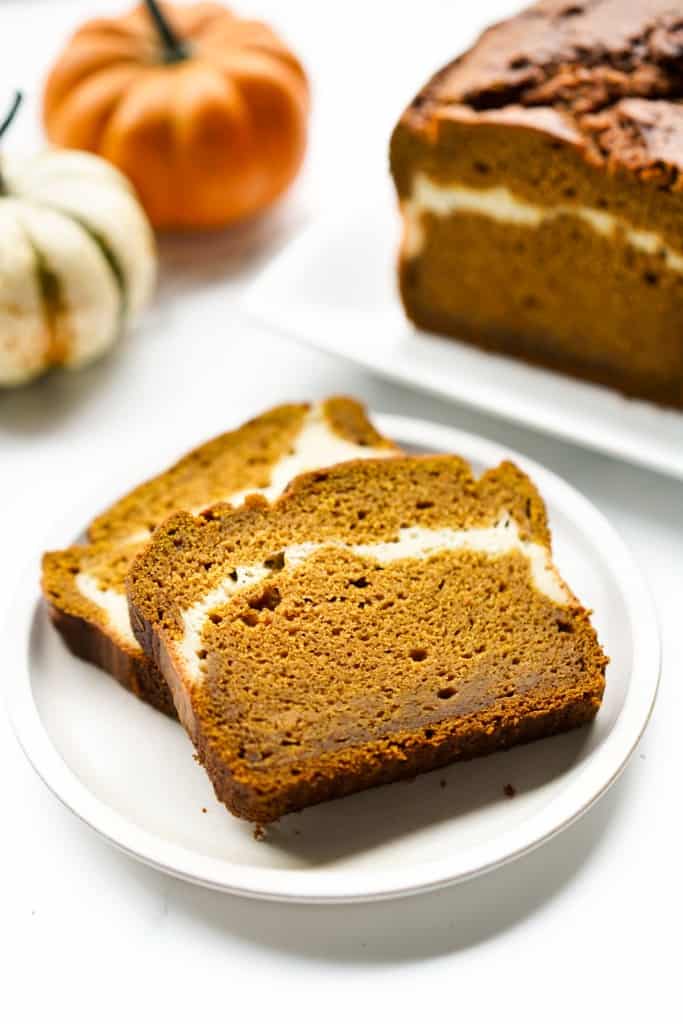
(129, 772)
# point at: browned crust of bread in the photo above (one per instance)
(413, 756)
(264, 794)
(603, 75)
(137, 674)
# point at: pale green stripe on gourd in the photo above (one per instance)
(114, 266)
(81, 295)
(92, 193)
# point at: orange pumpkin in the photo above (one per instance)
(205, 112)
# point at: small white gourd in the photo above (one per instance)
(77, 260)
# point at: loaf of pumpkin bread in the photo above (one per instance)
(540, 181)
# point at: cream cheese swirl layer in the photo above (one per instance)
(413, 542)
(502, 205)
(112, 602)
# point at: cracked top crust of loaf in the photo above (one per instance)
(380, 618)
(603, 75)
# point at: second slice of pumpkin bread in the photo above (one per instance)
(84, 585)
(380, 619)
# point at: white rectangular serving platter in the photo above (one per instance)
(334, 288)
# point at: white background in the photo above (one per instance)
(588, 925)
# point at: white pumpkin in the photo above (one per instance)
(77, 261)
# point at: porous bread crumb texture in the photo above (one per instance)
(342, 673)
(619, 322)
(232, 462)
(566, 105)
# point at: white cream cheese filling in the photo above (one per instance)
(500, 204)
(316, 445)
(413, 542)
(112, 602)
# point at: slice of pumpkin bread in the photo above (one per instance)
(380, 619)
(84, 585)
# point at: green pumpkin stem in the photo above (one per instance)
(174, 48)
(4, 125)
(10, 115)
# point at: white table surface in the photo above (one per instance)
(587, 924)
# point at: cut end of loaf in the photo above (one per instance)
(539, 180)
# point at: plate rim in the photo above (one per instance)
(353, 885)
(258, 306)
